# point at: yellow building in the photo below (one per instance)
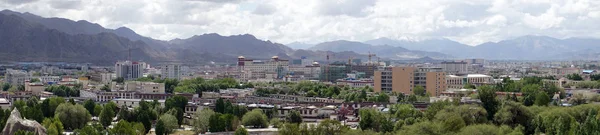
(405, 79)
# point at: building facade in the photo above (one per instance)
(257, 69)
(454, 67)
(458, 82)
(129, 70)
(405, 79)
(170, 72)
(309, 71)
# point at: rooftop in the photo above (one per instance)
(470, 75)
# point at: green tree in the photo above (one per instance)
(275, 122)
(120, 80)
(144, 118)
(125, 128)
(34, 80)
(542, 99)
(93, 129)
(575, 77)
(90, 106)
(419, 91)
(220, 106)
(160, 128)
(486, 129)
(241, 131)
(49, 105)
(487, 95)
(170, 123)
(72, 116)
(105, 88)
(469, 86)
(6, 86)
(423, 128)
(434, 108)
(107, 115)
(215, 123)
(97, 110)
(24, 132)
(201, 120)
(514, 114)
(294, 117)
(54, 126)
(255, 118)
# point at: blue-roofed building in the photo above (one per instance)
(589, 72)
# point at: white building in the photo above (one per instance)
(170, 71)
(460, 67)
(129, 70)
(145, 87)
(458, 82)
(16, 77)
(258, 69)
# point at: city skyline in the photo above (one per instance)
(468, 22)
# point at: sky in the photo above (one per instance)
(470, 22)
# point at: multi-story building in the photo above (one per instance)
(405, 79)
(356, 83)
(330, 73)
(459, 81)
(257, 69)
(454, 67)
(170, 71)
(565, 71)
(16, 77)
(145, 87)
(308, 71)
(368, 69)
(19, 77)
(475, 61)
(129, 70)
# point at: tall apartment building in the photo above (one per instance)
(256, 69)
(15, 77)
(458, 82)
(170, 71)
(129, 70)
(453, 67)
(405, 79)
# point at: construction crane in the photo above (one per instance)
(370, 56)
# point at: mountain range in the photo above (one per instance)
(521, 48)
(28, 37)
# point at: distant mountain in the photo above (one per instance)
(85, 27)
(384, 51)
(27, 41)
(237, 45)
(520, 48)
(443, 45)
(299, 45)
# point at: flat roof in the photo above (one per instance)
(471, 75)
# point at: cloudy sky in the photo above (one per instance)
(467, 21)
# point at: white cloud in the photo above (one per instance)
(285, 21)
